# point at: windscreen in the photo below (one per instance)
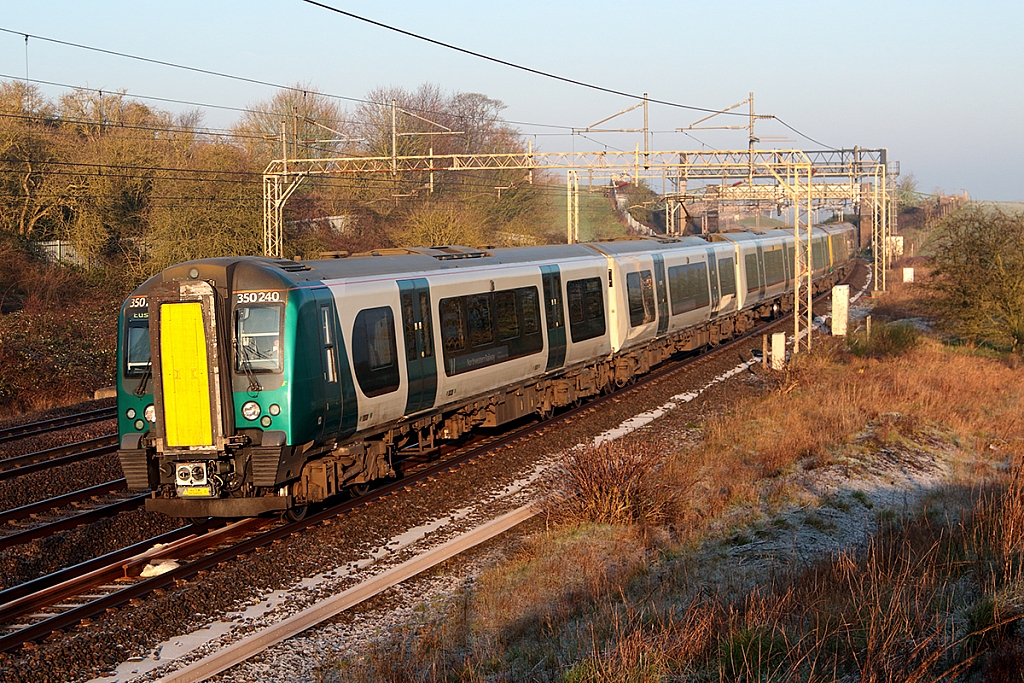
(258, 338)
(137, 359)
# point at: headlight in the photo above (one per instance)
(131, 413)
(150, 413)
(275, 409)
(250, 410)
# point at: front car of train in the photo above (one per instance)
(206, 388)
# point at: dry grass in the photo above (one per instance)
(906, 299)
(830, 398)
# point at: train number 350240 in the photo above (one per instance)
(258, 297)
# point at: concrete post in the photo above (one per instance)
(908, 274)
(778, 351)
(840, 310)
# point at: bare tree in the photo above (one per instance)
(313, 125)
(27, 145)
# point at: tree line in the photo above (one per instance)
(136, 188)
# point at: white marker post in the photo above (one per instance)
(840, 309)
(779, 351)
(908, 274)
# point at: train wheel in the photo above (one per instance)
(357, 490)
(297, 513)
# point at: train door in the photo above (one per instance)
(553, 310)
(327, 324)
(185, 345)
(419, 344)
(662, 287)
(713, 276)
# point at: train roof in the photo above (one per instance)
(426, 259)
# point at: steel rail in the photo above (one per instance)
(50, 593)
(57, 451)
(8, 596)
(36, 601)
(43, 460)
(242, 650)
(33, 428)
(72, 521)
(39, 507)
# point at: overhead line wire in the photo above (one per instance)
(364, 101)
(291, 88)
(513, 65)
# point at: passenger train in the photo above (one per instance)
(251, 385)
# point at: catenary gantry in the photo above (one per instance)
(799, 180)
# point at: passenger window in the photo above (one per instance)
(586, 308)
(516, 317)
(753, 272)
(451, 325)
(478, 315)
(374, 350)
(774, 270)
(727, 276)
(640, 293)
(505, 309)
(688, 286)
(531, 310)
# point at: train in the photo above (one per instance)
(252, 385)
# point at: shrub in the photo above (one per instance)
(613, 483)
(886, 340)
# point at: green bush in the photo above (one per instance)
(886, 340)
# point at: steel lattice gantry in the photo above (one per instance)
(795, 178)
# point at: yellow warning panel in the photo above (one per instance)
(184, 375)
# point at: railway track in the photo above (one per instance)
(28, 463)
(55, 423)
(86, 506)
(55, 603)
(57, 606)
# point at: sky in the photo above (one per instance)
(939, 84)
